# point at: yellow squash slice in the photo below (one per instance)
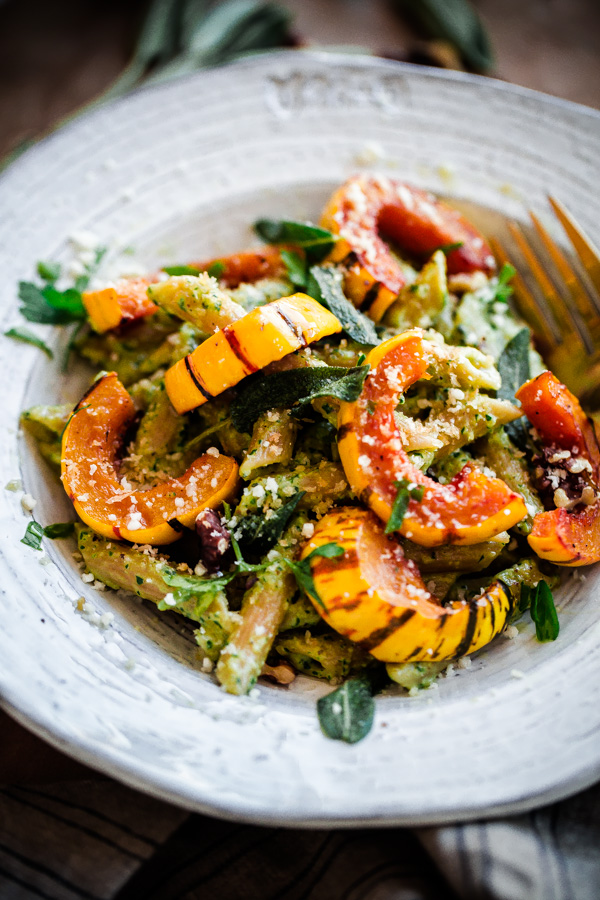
(263, 336)
(375, 597)
(123, 302)
(90, 446)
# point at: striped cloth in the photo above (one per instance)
(95, 839)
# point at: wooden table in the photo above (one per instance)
(55, 55)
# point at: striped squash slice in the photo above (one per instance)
(124, 301)
(471, 508)
(90, 447)
(567, 537)
(369, 205)
(263, 336)
(375, 597)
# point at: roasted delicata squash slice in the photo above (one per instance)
(368, 207)
(90, 447)
(570, 534)
(471, 508)
(124, 301)
(374, 596)
(262, 336)
(245, 267)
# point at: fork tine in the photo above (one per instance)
(528, 306)
(567, 324)
(582, 301)
(585, 249)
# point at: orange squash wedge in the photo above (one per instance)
(368, 207)
(565, 537)
(247, 266)
(375, 597)
(90, 447)
(123, 302)
(262, 336)
(471, 508)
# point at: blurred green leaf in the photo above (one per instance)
(455, 21)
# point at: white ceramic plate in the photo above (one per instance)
(180, 172)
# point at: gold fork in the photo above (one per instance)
(560, 299)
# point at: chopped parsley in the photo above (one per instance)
(406, 491)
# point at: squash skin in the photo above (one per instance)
(470, 509)
(376, 598)
(414, 219)
(566, 538)
(126, 301)
(90, 447)
(262, 336)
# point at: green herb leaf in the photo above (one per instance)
(513, 366)
(316, 242)
(187, 587)
(82, 281)
(448, 248)
(216, 269)
(59, 530)
(455, 21)
(28, 337)
(501, 284)
(259, 534)
(347, 713)
(325, 285)
(406, 491)
(296, 386)
(35, 308)
(302, 571)
(181, 270)
(49, 271)
(543, 613)
(33, 535)
(296, 268)
(68, 302)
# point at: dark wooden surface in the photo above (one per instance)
(55, 55)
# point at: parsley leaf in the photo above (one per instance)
(325, 285)
(347, 713)
(403, 496)
(316, 242)
(181, 270)
(49, 306)
(543, 613)
(59, 530)
(33, 535)
(259, 534)
(302, 571)
(35, 307)
(448, 248)
(82, 281)
(296, 386)
(296, 268)
(49, 271)
(502, 288)
(28, 337)
(188, 587)
(216, 269)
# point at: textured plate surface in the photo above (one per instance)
(179, 172)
